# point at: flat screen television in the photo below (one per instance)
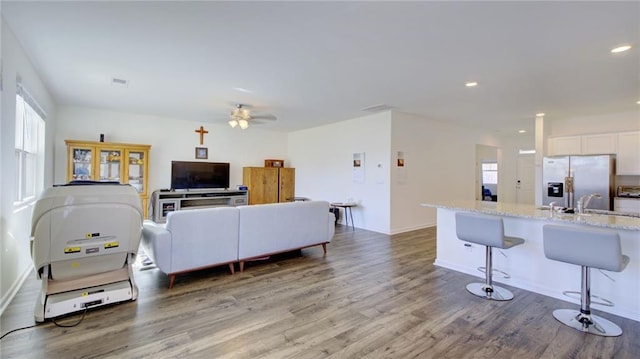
(188, 175)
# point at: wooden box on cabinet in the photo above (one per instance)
(109, 161)
(273, 163)
(269, 184)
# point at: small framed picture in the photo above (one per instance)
(202, 153)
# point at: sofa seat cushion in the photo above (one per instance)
(279, 227)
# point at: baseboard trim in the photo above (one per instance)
(15, 287)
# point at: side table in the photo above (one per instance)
(348, 213)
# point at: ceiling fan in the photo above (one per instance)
(241, 116)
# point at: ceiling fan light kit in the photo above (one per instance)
(240, 116)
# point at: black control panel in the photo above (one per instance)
(555, 189)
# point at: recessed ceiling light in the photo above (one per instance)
(471, 84)
(638, 102)
(522, 131)
(621, 48)
(541, 114)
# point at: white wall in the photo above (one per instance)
(439, 165)
(323, 158)
(170, 139)
(15, 223)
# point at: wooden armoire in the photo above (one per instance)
(269, 184)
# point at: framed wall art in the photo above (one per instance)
(202, 153)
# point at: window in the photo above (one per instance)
(489, 173)
(29, 144)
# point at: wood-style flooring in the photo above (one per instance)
(371, 296)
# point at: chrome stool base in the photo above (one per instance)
(591, 324)
(492, 293)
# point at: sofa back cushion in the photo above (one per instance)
(202, 237)
(278, 227)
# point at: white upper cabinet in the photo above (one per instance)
(628, 155)
(567, 145)
(596, 144)
(599, 144)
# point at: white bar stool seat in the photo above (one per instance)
(588, 248)
(487, 231)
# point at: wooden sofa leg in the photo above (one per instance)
(232, 268)
(324, 248)
(172, 278)
(241, 266)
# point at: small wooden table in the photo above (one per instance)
(348, 214)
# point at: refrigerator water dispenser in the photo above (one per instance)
(555, 189)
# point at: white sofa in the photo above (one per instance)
(200, 238)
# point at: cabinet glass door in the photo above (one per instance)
(81, 164)
(110, 161)
(136, 170)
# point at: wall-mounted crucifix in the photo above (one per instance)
(201, 131)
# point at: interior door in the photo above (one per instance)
(525, 179)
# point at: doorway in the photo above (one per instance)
(486, 173)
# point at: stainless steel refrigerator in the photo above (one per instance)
(584, 174)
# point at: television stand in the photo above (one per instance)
(163, 202)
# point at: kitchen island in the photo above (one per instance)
(527, 265)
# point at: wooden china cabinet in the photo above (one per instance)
(109, 161)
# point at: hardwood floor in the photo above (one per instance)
(371, 296)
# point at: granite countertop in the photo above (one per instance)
(593, 218)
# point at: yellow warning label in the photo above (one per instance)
(91, 235)
(72, 249)
(111, 245)
(75, 265)
(84, 294)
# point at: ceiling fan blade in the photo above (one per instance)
(264, 117)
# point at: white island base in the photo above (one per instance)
(529, 269)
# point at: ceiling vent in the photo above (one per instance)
(120, 82)
(377, 108)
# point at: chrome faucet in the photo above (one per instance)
(583, 203)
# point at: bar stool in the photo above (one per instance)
(487, 231)
(588, 248)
